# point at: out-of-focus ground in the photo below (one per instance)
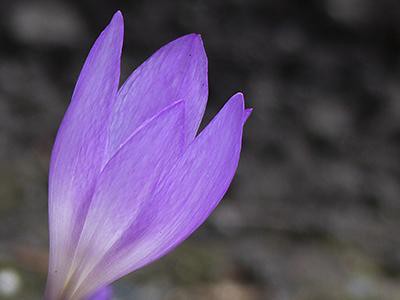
(314, 211)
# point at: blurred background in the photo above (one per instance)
(314, 211)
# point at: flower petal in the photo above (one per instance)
(184, 198)
(78, 153)
(104, 293)
(247, 113)
(126, 183)
(176, 71)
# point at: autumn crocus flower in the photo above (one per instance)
(129, 179)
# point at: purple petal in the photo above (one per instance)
(126, 183)
(78, 153)
(104, 293)
(176, 71)
(184, 198)
(247, 113)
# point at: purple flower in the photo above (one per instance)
(129, 179)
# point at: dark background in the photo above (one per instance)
(314, 210)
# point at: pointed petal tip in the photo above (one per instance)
(197, 37)
(118, 16)
(117, 21)
(193, 36)
(247, 114)
(248, 111)
(191, 39)
(238, 99)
